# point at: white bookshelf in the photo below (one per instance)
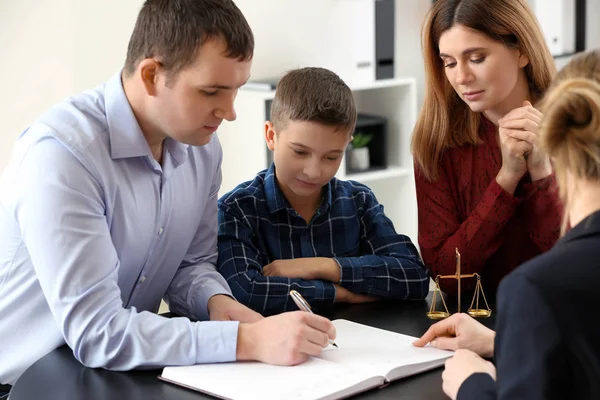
(245, 152)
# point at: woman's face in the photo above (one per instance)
(486, 74)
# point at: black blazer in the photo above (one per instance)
(548, 325)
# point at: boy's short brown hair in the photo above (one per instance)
(313, 94)
(173, 30)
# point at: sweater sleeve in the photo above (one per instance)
(441, 229)
(544, 212)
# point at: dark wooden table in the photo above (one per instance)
(58, 376)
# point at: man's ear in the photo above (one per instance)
(270, 135)
(148, 72)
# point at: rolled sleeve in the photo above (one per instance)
(390, 265)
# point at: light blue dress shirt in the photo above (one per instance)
(94, 232)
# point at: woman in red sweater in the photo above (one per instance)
(484, 186)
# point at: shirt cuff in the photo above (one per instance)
(217, 341)
(323, 297)
(477, 386)
(320, 295)
(351, 275)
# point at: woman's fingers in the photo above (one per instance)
(526, 136)
(523, 112)
(525, 124)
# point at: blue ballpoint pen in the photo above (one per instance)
(304, 306)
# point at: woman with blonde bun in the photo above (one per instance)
(547, 336)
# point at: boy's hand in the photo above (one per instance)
(305, 268)
(284, 339)
(343, 295)
(224, 308)
(460, 331)
(461, 366)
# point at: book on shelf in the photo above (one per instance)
(366, 358)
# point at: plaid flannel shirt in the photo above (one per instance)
(257, 225)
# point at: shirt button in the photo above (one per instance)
(142, 279)
(160, 231)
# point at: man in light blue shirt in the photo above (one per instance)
(109, 204)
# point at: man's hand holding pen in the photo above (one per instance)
(285, 339)
(304, 306)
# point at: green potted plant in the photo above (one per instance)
(358, 153)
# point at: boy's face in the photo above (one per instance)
(198, 98)
(306, 155)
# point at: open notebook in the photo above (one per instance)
(367, 358)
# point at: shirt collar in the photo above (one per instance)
(178, 150)
(126, 137)
(276, 201)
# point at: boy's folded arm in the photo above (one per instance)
(394, 276)
(388, 265)
(241, 263)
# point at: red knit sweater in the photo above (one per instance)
(494, 231)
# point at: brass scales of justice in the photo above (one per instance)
(475, 312)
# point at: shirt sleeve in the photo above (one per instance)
(389, 265)
(241, 264)
(58, 204)
(197, 278)
(544, 212)
(441, 230)
(528, 357)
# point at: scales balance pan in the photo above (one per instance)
(475, 312)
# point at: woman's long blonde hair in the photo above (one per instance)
(570, 129)
(446, 120)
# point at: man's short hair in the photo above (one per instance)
(172, 31)
(313, 94)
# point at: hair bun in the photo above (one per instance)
(572, 111)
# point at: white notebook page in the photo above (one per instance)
(365, 354)
(378, 350)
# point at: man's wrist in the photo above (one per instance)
(244, 349)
